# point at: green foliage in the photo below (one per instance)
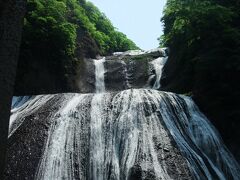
(57, 34)
(193, 21)
(102, 30)
(205, 34)
(204, 41)
(60, 19)
(46, 28)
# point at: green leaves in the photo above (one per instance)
(66, 36)
(56, 22)
(102, 30)
(204, 39)
(57, 34)
(193, 18)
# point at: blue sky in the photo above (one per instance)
(138, 19)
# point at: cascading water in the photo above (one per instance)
(96, 147)
(22, 107)
(157, 68)
(118, 135)
(99, 75)
(63, 154)
(126, 135)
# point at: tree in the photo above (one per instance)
(11, 21)
(204, 41)
(57, 35)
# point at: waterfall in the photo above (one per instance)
(97, 145)
(129, 134)
(99, 75)
(21, 107)
(96, 168)
(157, 68)
(198, 139)
(117, 135)
(63, 155)
(125, 132)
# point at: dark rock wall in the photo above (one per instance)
(35, 75)
(121, 72)
(212, 93)
(124, 72)
(11, 20)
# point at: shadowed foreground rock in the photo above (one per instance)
(11, 21)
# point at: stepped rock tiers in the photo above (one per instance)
(124, 70)
(133, 134)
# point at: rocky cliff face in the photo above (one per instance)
(57, 36)
(133, 69)
(116, 134)
(36, 141)
(207, 82)
(36, 75)
(132, 134)
(11, 20)
(124, 70)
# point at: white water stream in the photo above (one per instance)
(136, 132)
(99, 75)
(158, 65)
(131, 128)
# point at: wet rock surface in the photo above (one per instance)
(116, 135)
(131, 134)
(26, 144)
(125, 70)
(30, 142)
